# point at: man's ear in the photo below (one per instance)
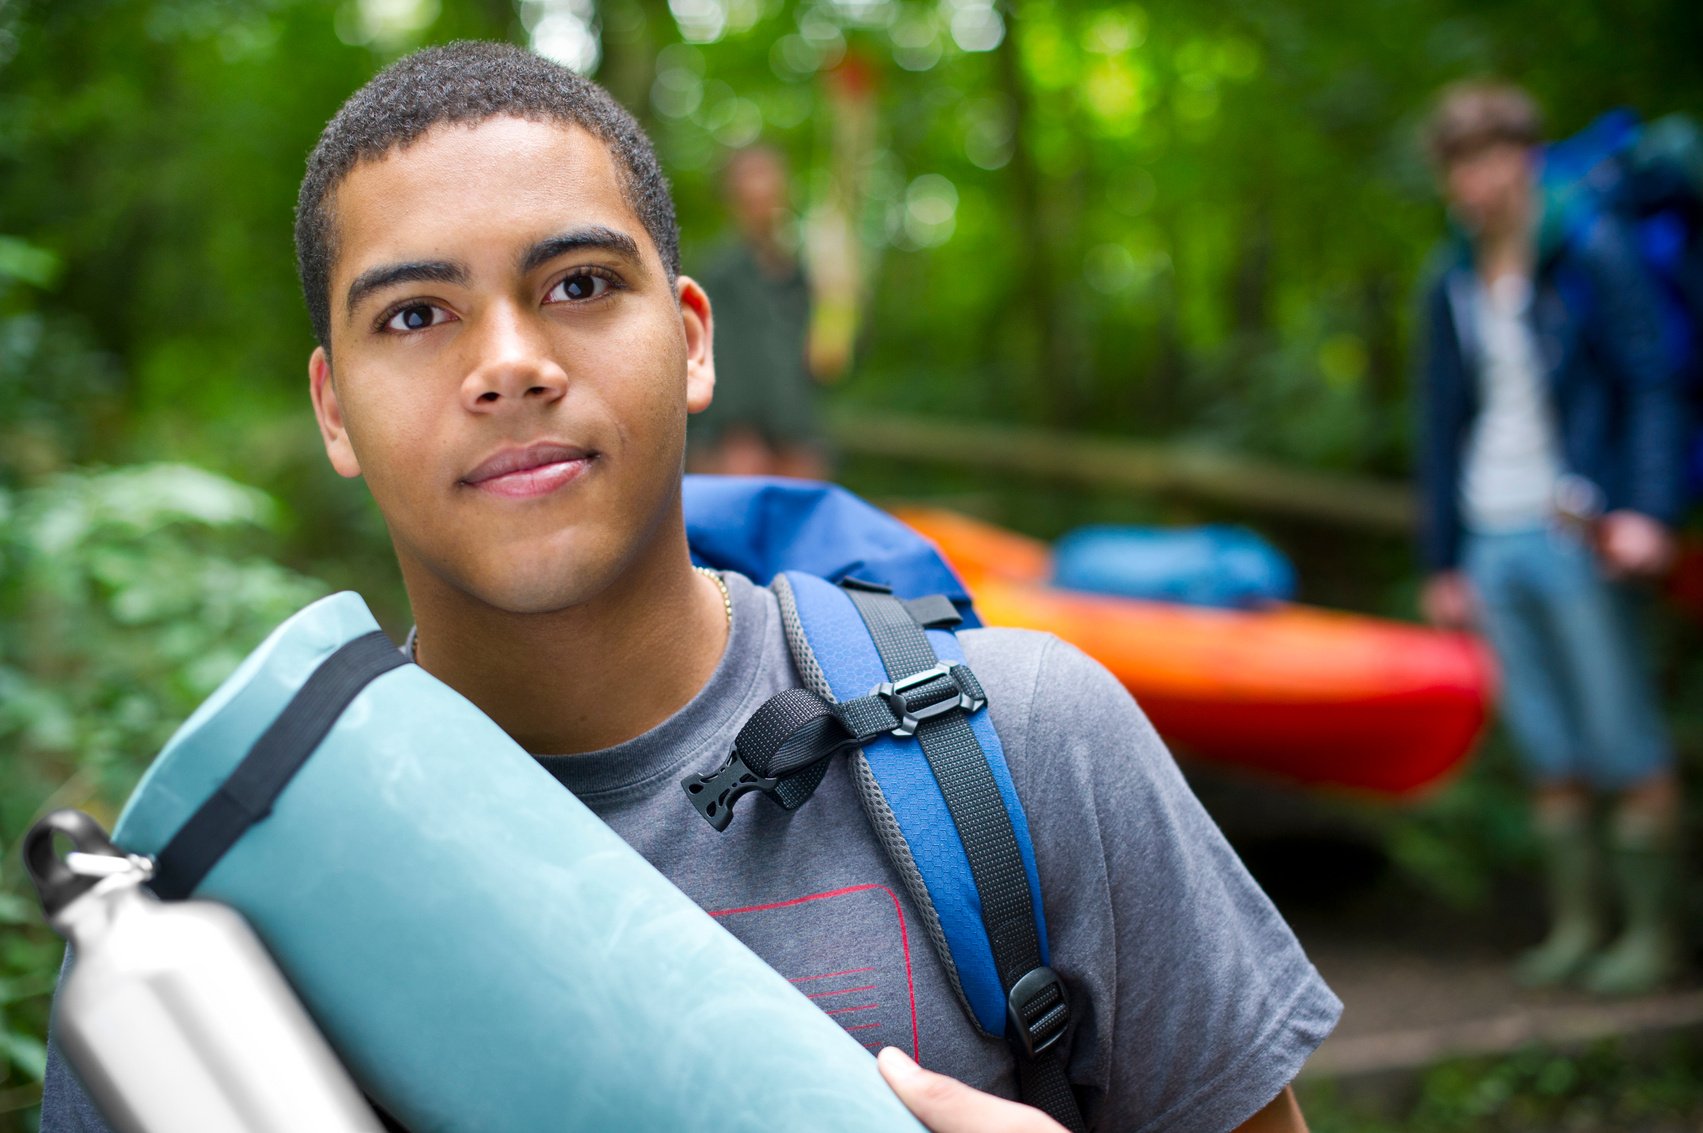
(329, 413)
(700, 343)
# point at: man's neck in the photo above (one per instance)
(1503, 257)
(770, 251)
(586, 677)
(1509, 249)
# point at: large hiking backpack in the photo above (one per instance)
(869, 610)
(1651, 176)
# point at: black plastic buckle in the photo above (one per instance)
(969, 698)
(714, 795)
(1037, 1011)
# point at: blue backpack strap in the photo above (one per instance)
(979, 892)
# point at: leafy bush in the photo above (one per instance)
(126, 596)
(1612, 1085)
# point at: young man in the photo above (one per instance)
(763, 421)
(1552, 451)
(508, 356)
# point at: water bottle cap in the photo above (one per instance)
(61, 880)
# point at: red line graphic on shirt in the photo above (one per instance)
(836, 947)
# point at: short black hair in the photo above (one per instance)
(466, 83)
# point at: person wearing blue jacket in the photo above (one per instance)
(1552, 434)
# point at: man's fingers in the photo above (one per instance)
(1447, 601)
(1633, 545)
(947, 1105)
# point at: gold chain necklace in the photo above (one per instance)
(721, 584)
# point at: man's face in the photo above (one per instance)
(1488, 187)
(513, 369)
(757, 193)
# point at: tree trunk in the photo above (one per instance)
(1035, 284)
(629, 55)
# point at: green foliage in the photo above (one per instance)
(1163, 219)
(125, 597)
(130, 595)
(1184, 220)
(1455, 843)
(1607, 1087)
(51, 380)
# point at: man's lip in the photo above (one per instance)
(510, 461)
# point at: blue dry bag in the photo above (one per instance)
(1217, 565)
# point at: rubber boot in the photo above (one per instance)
(1647, 953)
(1575, 923)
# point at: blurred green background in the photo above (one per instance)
(1191, 223)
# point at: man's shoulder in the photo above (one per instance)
(1057, 707)
(1001, 649)
(1016, 666)
(1034, 658)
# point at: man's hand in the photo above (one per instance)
(946, 1105)
(1447, 601)
(1633, 545)
(1283, 1115)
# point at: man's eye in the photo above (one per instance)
(416, 316)
(578, 287)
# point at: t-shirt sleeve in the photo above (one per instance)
(65, 1105)
(1195, 1002)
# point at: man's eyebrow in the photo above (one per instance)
(429, 271)
(579, 239)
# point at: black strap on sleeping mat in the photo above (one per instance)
(247, 794)
(1037, 1010)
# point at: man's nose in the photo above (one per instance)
(515, 363)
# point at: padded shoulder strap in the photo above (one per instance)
(978, 892)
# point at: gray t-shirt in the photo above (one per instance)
(1195, 1005)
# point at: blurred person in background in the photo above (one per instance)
(764, 421)
(1551, 442)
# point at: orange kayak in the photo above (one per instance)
(1309, 695)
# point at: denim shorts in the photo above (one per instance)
(1577, 691)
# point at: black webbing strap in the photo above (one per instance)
(933, 611)
(1043, 1083)
(1037, 1012)
(247, 795)
(783, 749)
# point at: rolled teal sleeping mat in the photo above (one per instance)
(481, 950)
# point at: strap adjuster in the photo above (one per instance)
(969, 696)
(1037, 1011)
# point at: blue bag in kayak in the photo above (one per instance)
(1217, 565)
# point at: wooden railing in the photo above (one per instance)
(1132, 466)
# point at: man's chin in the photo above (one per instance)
(519, 586)
(533, 595)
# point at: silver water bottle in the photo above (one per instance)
(173, 1015)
